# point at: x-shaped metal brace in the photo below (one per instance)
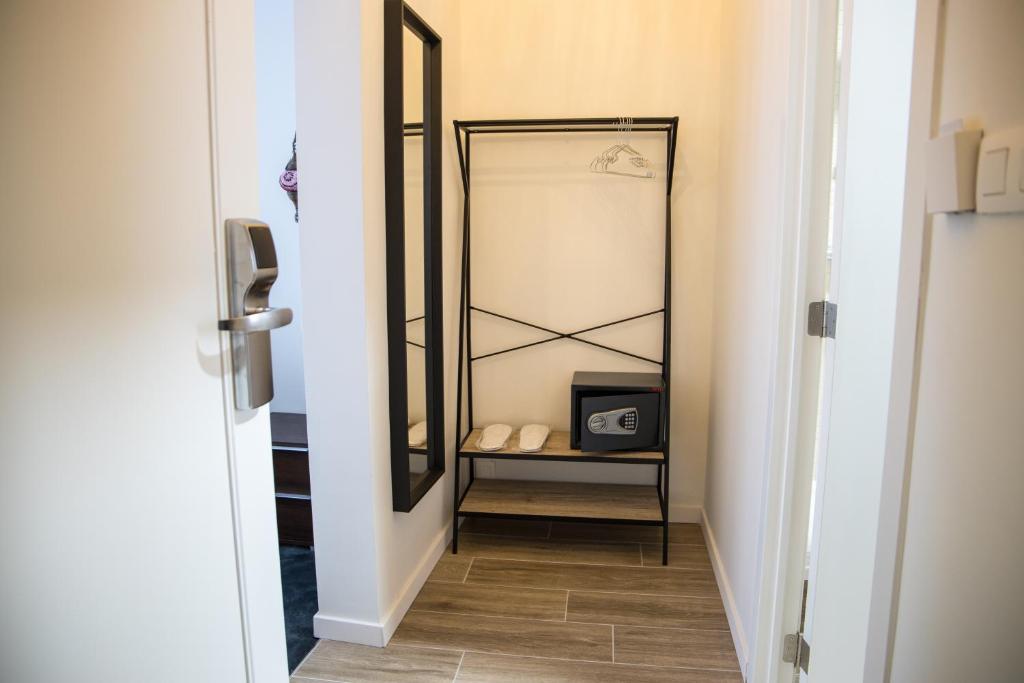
(566, 335)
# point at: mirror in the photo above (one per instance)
(415, 343)
(412, 160)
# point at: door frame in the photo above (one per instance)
(796, 371)
(784, 523)
(234, 164)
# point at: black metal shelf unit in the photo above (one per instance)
(617, 504)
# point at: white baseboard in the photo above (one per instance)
(686, 514)
(739, 634)
(347, 630)
(378, 635)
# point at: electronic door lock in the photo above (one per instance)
(617, 421)
(251, 271)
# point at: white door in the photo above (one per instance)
(136, 505)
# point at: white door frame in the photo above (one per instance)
(231, 73)
(793, 418)
(795, 402)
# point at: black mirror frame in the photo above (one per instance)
(397, 16)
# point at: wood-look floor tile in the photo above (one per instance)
(483, 668)
(494, 601)
(531, 528)
(668, 611)
(679, 555)
(627, 533)
(451, 567)
(585, 577)
(671, 647)
(506, 636)
(504, 547)
(334, 661)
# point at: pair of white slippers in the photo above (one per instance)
(531, 437)
(418, 435)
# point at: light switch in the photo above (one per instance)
(1000, 186)
(992, 172)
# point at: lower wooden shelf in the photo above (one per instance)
(563, 500)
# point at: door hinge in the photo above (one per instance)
(796, 651)
(821, 319)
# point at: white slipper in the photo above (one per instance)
(532, 438)
(494, 437)
(418, 434)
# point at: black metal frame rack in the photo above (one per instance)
(464, 132)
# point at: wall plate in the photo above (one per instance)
(1000, 186)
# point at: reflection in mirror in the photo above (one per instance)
(416, 340)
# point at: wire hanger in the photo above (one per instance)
(638, 166)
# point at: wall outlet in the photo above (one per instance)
(485, 469)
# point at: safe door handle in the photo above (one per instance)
(262, 321)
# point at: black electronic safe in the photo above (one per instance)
(614, 411)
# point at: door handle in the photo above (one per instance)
(251, 272)
(262, 321)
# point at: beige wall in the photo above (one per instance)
(961, 602)
(556, 245)
(755, 96)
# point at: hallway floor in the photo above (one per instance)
(542, 602)
(298, 588)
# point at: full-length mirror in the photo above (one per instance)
(412, 148)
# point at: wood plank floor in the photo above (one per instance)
(553, 603)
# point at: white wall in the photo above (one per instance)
(961, 607)
(329, 110)
(275, 93)
(371, 561)
(538, 211)
(755, 95)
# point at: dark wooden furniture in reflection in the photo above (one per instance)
(291, 479)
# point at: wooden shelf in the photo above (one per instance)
(562, 500)
(557, 448)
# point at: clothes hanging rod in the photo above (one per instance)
(571, 124)
(669, 125)
(565, 129)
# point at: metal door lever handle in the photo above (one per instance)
(262, 321)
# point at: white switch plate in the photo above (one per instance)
(1000, 187)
